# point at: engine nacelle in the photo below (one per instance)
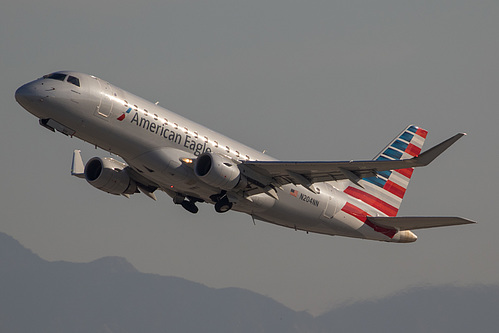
(218, 171)
(108, 175)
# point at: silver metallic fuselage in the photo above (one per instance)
(154, 141)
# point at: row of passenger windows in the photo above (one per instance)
(74, 80)
(62, 77)
(185, 129)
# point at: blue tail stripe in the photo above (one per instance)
(412, 129)
(376, 181)
(407, 136)
(393, 153)
(382, 158)
(400, 145)
(385, 174)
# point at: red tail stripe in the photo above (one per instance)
(412, 150)
(394, 188)
(355, 212)
(362, 216)
(372, 201)
(406, 172)
(422, 133)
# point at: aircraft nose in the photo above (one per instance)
(27, 94)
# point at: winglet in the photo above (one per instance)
(77, 167)
(428, 156)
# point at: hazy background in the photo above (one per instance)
(306, 80)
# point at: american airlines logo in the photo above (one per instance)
(120, 118)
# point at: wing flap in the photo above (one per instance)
(417, 222)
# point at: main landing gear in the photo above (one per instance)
(222, 203)
(188, 203)
(190, 206)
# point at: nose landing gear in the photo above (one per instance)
(223, 206)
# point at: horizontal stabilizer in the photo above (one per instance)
(417, 222)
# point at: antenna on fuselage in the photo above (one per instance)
(157, 102)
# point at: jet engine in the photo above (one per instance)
(108, 175)
(218, 171)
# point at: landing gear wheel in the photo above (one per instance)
(190, 206)
(223, 206)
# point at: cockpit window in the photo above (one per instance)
(55, 76)
(74, 80)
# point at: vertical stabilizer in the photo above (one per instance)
(386, 191)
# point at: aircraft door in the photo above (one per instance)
(330, 209)
(106, 103)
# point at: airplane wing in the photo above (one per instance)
(417, 222)
(307, 173)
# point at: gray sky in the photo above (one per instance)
(306, 80)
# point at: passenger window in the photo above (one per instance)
(227, 149)
(74, 80)
(196, 135)
(216, 144)
(155, 117)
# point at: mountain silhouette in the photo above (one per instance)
(110, 295)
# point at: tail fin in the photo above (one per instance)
(386, 190)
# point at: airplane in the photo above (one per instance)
(193, 164)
